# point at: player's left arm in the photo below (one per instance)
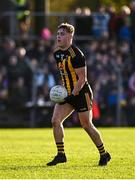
(82, 78)
(80, 67)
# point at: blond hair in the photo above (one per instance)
(68, 27)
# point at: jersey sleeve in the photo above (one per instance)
(79, 60)
(56, 54)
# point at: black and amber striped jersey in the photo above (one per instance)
(67, 61)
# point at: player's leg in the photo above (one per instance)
(61, 112)
(86, 122)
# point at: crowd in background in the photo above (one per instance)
(28, 67)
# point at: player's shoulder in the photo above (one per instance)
(56, 53)
(75, 51)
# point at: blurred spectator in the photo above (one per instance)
(83, 19)
(44, 76)
(12, 70)
(19, 66)
(95, 111)
(100, 23)
(39, 51)
(112, 98)
(24, 66)
(46, 34)
(7, 49)
(22, 8)
(43, 94)
(132, 82)
(112, 21)
(132, 18)
(131, 100)
(18, 95)
(123, 31)
(3, 89)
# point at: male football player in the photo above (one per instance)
(72, 66)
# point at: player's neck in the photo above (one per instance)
(65, 47)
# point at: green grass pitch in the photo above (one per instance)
(25, 152)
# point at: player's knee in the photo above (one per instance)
(56, 122)
(85, 124)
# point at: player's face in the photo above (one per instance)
(63, 38)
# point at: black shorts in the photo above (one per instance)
(83, 101)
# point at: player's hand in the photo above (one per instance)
(70, 99)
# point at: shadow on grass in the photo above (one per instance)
(63, 166)
(16, 168)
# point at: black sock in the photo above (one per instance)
(60, 147)
(101, 149)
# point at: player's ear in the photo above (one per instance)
(70, 36)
